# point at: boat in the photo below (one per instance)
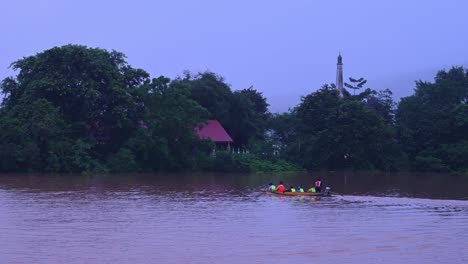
(316, 194)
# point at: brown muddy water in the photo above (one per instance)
(223, 218)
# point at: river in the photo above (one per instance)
(223, 218)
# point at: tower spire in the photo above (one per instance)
(339, 75)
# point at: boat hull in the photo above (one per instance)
(316, 194)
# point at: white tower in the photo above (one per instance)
(339, 75)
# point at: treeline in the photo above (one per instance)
(427, 131)
(76, 109)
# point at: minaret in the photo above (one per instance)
(339, 75)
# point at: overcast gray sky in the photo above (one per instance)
(284, 49)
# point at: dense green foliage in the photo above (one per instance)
(76, 109)
(243, 113)
(433, 123)
(335, 133)
(428, 131)
(228, 162)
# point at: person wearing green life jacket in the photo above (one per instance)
(271, 187)
(292, 189)
(300, 189)
(312, 190)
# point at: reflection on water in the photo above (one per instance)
(207, 218)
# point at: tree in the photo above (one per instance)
(244, 114)
(173, 116)
(210, 91)
(356, 84)
(381, 102)
(83, 93)
(249, 116)
(259, 102)
(284, 134)
(337, 133)
(432, 122)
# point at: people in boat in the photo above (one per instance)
(271, 187)
(280, 187)
(312, 190)
(300, 189)
(318, 185)
(292, 189)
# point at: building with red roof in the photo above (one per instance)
(214, 131)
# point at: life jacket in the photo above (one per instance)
(312, 190)
(301, 190)
(318, 183)
(293, 190)
(280, 188)
(272, 188)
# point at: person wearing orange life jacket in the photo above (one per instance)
(280, 187)
(318, 185)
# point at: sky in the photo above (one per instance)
(284, 49)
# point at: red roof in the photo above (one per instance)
(214, 131)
